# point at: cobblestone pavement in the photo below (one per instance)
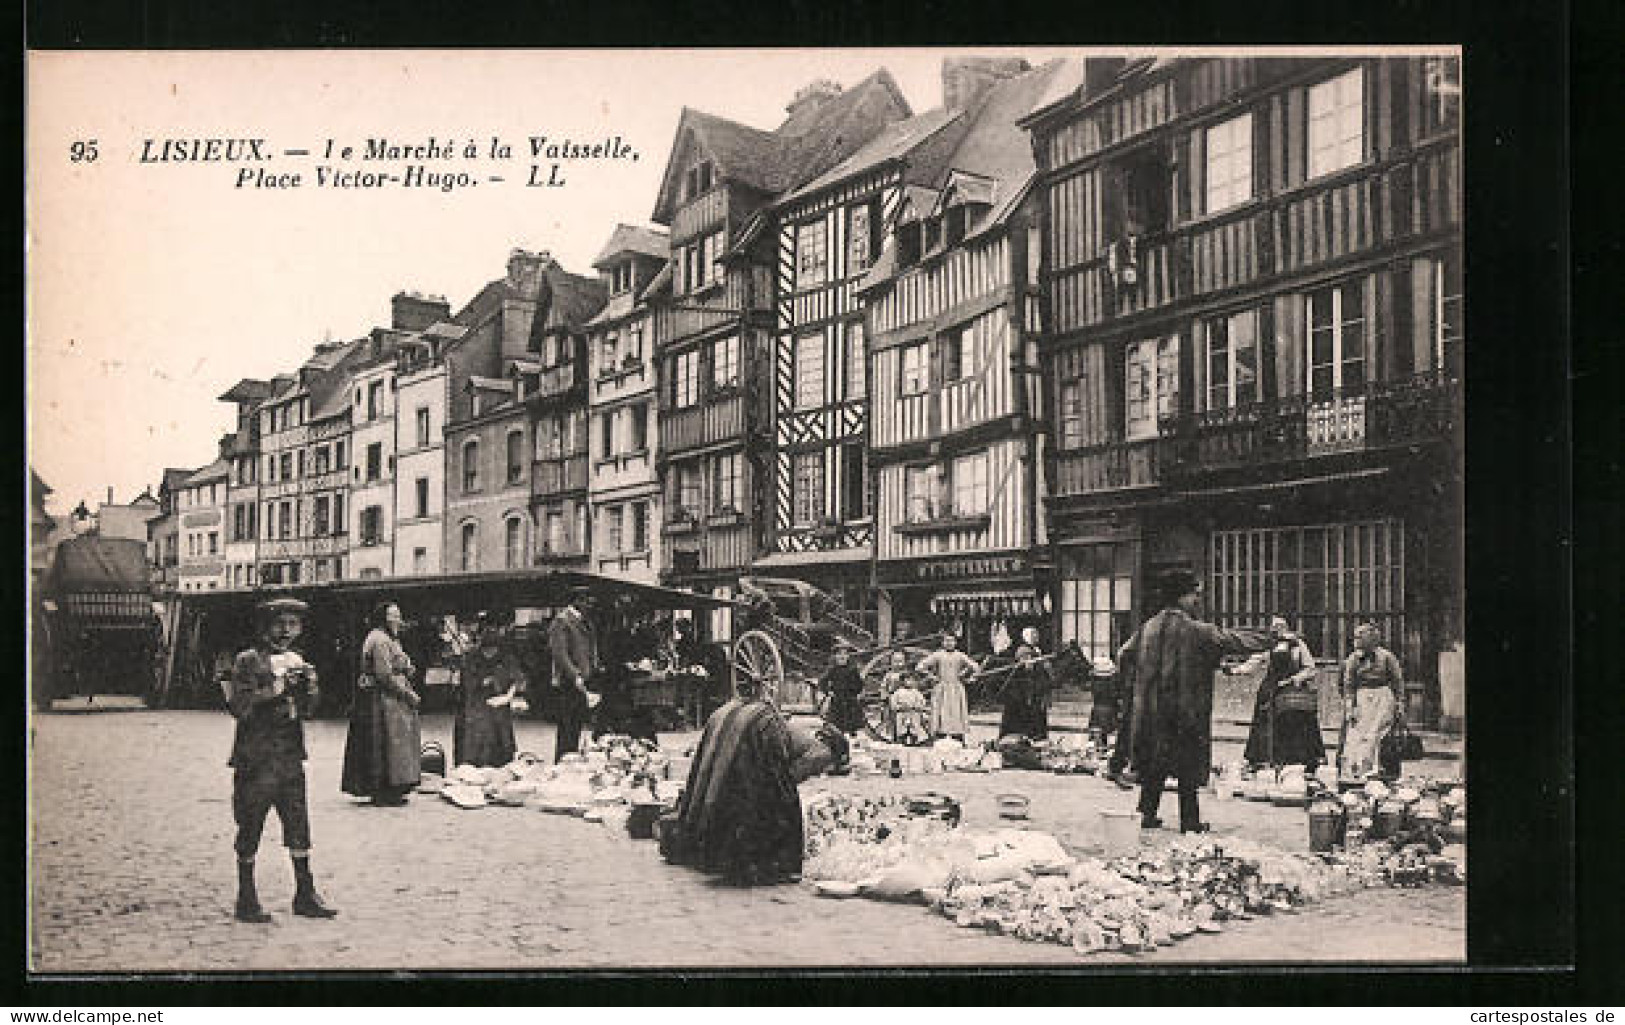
(132, 870)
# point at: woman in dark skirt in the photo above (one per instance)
(382, 750)
(491, 685)
(1285, 728)
(843, 684)
(1026, 697)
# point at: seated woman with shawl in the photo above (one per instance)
(740, 815)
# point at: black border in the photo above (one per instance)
(1522, 905)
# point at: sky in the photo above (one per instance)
(155, 286)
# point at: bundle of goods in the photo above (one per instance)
(1021, 752)
(1071, 754)
(1413, 810)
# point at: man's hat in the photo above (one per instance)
(1176, 583)
(279, 606)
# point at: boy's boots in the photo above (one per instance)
(248, 898)
(306, 902)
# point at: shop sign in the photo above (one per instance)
(972, 568)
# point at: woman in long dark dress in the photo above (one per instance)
(1026, 697)
(843, 683)
(1284, 730)
(382, 750)
(740, 815)
(491, 682)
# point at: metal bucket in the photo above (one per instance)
(640, 823)
(1326, 828)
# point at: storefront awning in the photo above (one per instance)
(987, 604)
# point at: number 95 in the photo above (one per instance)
(83, 151)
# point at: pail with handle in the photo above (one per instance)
(1326, 825)
(1120, 832)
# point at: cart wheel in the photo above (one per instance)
(756, 657)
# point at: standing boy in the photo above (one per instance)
(270, 689)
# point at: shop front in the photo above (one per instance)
(986, 598)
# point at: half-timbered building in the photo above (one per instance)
(831, 231)
(955, 399)
(1253, 270)
(714, 320)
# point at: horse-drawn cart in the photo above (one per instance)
(792, 632)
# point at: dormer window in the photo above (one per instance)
(933, 233)
(908, 244)
(699, 179)
(954, 224)
(620, 279)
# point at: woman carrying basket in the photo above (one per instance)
(1286, 715)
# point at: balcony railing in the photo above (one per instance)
(1110, 467)
(560, 380)
(559, 475)
(1411, 411)
(720, 418)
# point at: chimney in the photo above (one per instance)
(1100, 72)
(109, 496)
(965, 79)
(525, 269)
(414, 311)
(812, 96)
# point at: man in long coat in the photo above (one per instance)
(572, 645)
(1172, 658)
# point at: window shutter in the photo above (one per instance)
(1376, 285)
(1289, 344)
(1268, 386)
(1196, 174)
(1200, 330)
(1424, 301)
(1295, 138)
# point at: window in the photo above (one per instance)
(322, 460)
(812, 257)
(808, 480)
(915, 372)
(634, 344)
(1337, 123)
(285, 466)
(607, 347)
(613, 528)
(688, 491)
(375, 461)
(854, 486)
(322, 523)
(513, 543)
(372, 525)
(908, 244)
(1448, 326)
(620, 279)
(375, 400)
(1097, 596)
(555, 531)
(922, 490)
(338, 513)
(516, 457)
(1230, 163)
(970, 485)
(423, 426)
(809, 371)
(638, 426)
(606, 433)
(1152, 387)
(959, 355)
(725, 363)
(1441, 98)
(862, 236)
(1070, 413)
(214, 542)
(1232, 360)
(339, 462)
(284, 520)
(933, 233)
(1139, 188)
(421, 507)
(471, 464)
(581, 527)
(857, 362)
(1323, 578)
(640, 526)
(725, 483)
(420, 560)
(686, 382)
(698, 179)
(1336, 356)
(471, 547)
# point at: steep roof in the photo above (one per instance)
(249, 389)
(618, 308)
(99, 564)
(895, 142)
(173, 478)
(631, 240)
(571, 299)
(214, 471)
(804, 145)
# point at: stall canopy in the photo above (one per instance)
(102, 582)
